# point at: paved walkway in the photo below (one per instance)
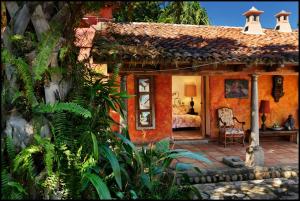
(269, 189)
(276, 152)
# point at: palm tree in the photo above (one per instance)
(184, 12)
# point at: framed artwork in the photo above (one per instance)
(144, 85)
(236, 88)
(145, 116)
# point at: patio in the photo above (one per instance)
(276, 153)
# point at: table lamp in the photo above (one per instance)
(264, 108)
(190, 91)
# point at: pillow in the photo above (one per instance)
(179, 109)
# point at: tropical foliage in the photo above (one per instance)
(178, 12)
(81, 156)
(140, 11)
(184, 12)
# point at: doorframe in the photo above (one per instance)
(206, 98)
(204, 104)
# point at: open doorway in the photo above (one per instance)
(187, 108)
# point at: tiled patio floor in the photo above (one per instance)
(276, 153)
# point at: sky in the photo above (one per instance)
(229, 13)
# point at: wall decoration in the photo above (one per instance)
(277, 91)
(145, 116)
(144, 102)
(144, 85)
(236, 88)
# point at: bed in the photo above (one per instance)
(180, 119)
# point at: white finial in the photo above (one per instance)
(253, 8)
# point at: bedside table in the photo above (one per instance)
(195, 113)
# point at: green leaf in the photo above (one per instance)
(146, 181)
(100, 186)
(24, 72)
(58, 107)
(62, 52)
(17, 186)
(114, 164)
(95, 146)
(183, 166)
(120, 195)
(45, 50)
(134, 149)
(133, 194)
(188, 154)
(162, 146)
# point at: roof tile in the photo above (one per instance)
(195, 43)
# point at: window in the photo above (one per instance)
(254, 17)
(145, 117)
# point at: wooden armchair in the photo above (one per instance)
(231, 130)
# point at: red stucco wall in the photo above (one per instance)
(163, 110)
(288, 104)
(241, 107)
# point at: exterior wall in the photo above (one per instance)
(163, 110)
(288, 104)
(241, 106)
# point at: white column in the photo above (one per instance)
(254, 153)
(254, 112)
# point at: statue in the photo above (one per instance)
(290, 123)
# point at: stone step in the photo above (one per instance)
(200, 141)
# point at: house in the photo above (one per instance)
(153, 57)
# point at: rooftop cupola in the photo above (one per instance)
(282, 22)
(253, 25)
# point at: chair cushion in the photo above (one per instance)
(233, 131)
(226, 115)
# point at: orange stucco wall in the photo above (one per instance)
(241, 107)
(163, 110)
(288, 104)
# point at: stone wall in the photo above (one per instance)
(238, 174)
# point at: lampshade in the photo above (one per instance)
(264, 106)
(190, 90)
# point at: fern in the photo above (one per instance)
(23, 70)
(49, 152)
(62, 129)
(59, 107)
(24, 162)
(41, 62)
(10, 147)
(10, 189)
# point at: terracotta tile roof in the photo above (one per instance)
(160, 42)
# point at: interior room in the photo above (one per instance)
(186, 107)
